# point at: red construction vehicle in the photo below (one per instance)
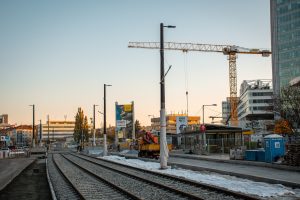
(149, 146)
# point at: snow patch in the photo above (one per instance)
(225, 181)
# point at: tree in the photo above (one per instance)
(110, 135)
(283, 126)
(287, 104)
(81, 127)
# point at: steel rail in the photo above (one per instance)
(103, 180)
(53, 194)
(67, 179)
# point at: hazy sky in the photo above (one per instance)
(58, 54)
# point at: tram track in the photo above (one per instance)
(61, 185)
(143, 189)
(80, 183)
(186, 188)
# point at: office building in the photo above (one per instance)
(4, 121)
(255, 108)
(285, 32)
(58, 130)
(226, 110)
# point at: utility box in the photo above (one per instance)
(274, 147)
(250, 155)
(261, 155)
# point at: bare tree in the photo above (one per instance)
(287, 104)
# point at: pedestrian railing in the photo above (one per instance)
(222, 145)
(14, 153)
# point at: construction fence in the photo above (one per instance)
(16, 153)
(223, 145)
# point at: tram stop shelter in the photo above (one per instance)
(219, 139)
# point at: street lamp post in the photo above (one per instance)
(100, 121)
(41, 133)
(204, 135)
(48, 129)
(133, 121)
(104, 126)
(164, 154)
(33, 126)
(94, 125)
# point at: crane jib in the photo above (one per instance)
(230, 50)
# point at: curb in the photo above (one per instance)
(49, 180)
(240, 162)
(251, 177)
(197, 168)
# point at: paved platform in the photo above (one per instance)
(11, 168)
(38, 150)
(224, 158)
(256, 173)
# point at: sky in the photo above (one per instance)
(58, 55)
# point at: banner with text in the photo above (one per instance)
(124, 118)
(181, 123)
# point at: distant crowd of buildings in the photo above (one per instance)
(21, 135)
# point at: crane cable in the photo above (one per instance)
(186, 81)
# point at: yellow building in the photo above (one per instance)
(171, 122)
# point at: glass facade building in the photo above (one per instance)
(285, 31)
(226, 110)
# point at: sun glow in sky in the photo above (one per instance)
(58, 54)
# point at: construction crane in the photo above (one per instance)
(213, 117)
(229, 50)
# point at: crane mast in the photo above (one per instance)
(229, 50)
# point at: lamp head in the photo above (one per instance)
(170, 26)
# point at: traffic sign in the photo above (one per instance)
(202, 128)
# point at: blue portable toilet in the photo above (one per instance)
(274, 147)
